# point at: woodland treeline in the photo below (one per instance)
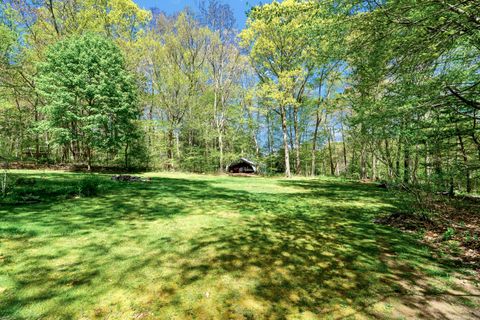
(384, 90)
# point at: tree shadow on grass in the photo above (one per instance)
(313, 251)
(300, 265)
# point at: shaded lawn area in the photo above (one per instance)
(206, 247)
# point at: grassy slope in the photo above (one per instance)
(202, 247)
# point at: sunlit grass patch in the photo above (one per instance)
(214, 247)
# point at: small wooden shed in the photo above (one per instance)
(242, 165)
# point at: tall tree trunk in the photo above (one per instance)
(389, 159)
(220, 147)
(37, 138)
(344, 144)
(54, 19)
(254, 130)
(330, 153)
(397, 158)
(334, 151)
(324, 165)
(475, 139)
(406, 164)
(217, 121)
(298, 168)
(73, 151)
(451, 188)
(437, 164)
(177, 144)
(257, 146)
(269, 138)
(353, 159)
(363, 162)
(427, 162)
(170, 147)
(126, 156)
(269, 133)
(318, 120)
(65, 153)
(290, 130)
(89, 159)
(465, 162)
(415, 165)
(285, 141)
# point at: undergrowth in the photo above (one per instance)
(17, 189)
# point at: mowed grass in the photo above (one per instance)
(216, 247)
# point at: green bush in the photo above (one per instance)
(25, 189)
(89, 186)
(447, 235)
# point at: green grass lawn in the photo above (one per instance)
(207, 247)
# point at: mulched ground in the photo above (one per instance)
(452, 227)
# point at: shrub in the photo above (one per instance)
(7, 182)
(3, 183)
(26, 190)
(89, 186)
(448, 234)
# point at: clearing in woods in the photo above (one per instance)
(215, 247)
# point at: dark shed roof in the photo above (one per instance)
(242, 165)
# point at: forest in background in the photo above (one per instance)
(385, 90)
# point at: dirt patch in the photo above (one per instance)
(423, 297)
(406, 221)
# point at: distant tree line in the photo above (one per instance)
(384, 90)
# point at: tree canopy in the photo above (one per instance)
(365, 89)
(90, 100)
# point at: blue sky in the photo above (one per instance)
(239, 7)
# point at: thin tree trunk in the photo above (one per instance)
(89, 159)
(415, 166)
(257, 146)
(437, 161)
(220, 147)
(177, 143)
(37, 138)
(285, 141)
(344, 144)
(389, 159)
(363, 162)
(397, 160)
(427, 163)
(290, 130)
(170, 146)
(318, 120)
(126, 156)
(354, 156)
(475, 139)
(406, 164)
(55, 25)
(334, 150)
(269, 133)
(330, 154)
(451, 189)
(298, 168)
(465, 162)
(219, 129)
